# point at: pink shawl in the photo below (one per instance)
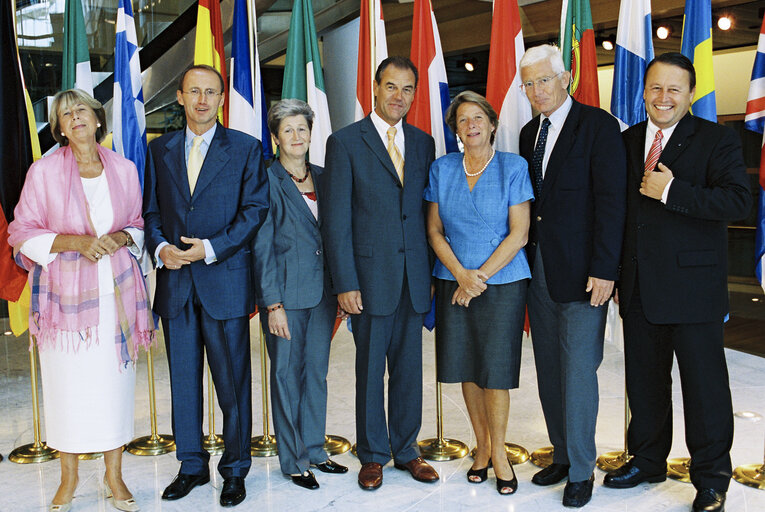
(64, 304)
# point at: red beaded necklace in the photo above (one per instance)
(300, 180)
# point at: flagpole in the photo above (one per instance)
(373, 51)
(251, 27)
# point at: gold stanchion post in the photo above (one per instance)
(679, 468)
(516, 453)
(335, 445)
(265, 445)
(610, 461)
(441, 448)
(153, 444)
(542, 457)
(38, 451)
(212, 442)
(752, 475)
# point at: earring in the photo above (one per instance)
(62, 134)
(98, 125)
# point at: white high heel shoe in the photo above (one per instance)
(128, 505)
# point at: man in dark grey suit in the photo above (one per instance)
(374, 237)
(578, 168)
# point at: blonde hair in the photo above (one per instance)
(64, 100)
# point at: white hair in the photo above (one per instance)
(544, 52)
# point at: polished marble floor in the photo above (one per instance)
(31, 487)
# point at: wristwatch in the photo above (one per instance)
(129, 242)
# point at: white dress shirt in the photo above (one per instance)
(557, 120)
(382, 129)
(650, 133)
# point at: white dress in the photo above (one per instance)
(88, 397)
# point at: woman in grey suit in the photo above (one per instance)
(297, 312)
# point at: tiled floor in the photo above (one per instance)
(31, 487)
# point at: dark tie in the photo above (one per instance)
(538, 157)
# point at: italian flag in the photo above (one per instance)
(577, 44)
(76, 67)
(303, 78)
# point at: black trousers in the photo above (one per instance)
(708, 411)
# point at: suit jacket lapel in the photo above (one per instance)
(372, 139)
(637, 146)
(677, 142)
(175, 161)
(216, 159)
(563, 144)
(410, 152)
(291, 191)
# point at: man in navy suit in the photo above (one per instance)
(578, 168)
(205, 196)
(377, 251)
(687, 179)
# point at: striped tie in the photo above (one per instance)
(194, 164)
(395, 154)
(654, 153)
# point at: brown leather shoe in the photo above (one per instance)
(420, 470)
(370, 476)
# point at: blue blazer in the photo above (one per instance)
(373, 227)
(578, 219)
(229, 204)
(289, 259)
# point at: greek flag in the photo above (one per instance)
(634, 51)
(128, 118)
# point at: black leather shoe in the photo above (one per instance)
(578, 494)
(233, 492)
(306, 480)
(550, 475)
(629, 476)
(709, 500)
(182, 485)
(330, 466)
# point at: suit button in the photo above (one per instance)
(634, 259)
(401, 250)
(539, 218)
(403, 217)
(318, 252)
(191, 209)
(640, 226)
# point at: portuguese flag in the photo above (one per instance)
(577, 44)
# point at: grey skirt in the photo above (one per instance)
(481, 343)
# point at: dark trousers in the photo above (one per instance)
(397, 339)
(227, 343)
(707, 408)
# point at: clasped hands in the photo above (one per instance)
(94, 248)
(654, 182)
(472, 283)
(174, 258)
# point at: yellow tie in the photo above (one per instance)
(194, 165)
(395, 154)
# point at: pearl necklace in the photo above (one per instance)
(464, 165)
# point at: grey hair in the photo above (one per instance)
(288, 108)
(64, 100)
(544, 52)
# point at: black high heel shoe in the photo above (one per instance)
(507, 487)
(478, 476)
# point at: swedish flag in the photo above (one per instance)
(697, 46)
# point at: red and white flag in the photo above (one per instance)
(366, 64)
(503, 85)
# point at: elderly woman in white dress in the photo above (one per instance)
(78, 230)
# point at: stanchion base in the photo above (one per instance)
(679, 469)
(353, 450)
(752, 475)
(542, 457)
(213, 443)
(335, 445)
(442, 449)
(516, 454)
(263, 446)
(90, 456)
(33, 454)
(610, 461)
(151, 445)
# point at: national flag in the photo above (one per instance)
(755, 121)
(128, 116)
(303, 77)
(503, 84)
(367, 64)
(246, 98)
(19, 147)
(577, 43)
(634, 51)
(76, 68)
(209, 45)
(431, 99)
(697, 46)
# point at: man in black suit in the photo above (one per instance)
(577, 165)
(673, 289)
(377, 252)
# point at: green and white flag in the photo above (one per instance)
(76, 72)
(303, 78)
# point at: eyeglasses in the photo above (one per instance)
(208, 93)
(543, 82)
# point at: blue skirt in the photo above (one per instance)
(481, 343)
